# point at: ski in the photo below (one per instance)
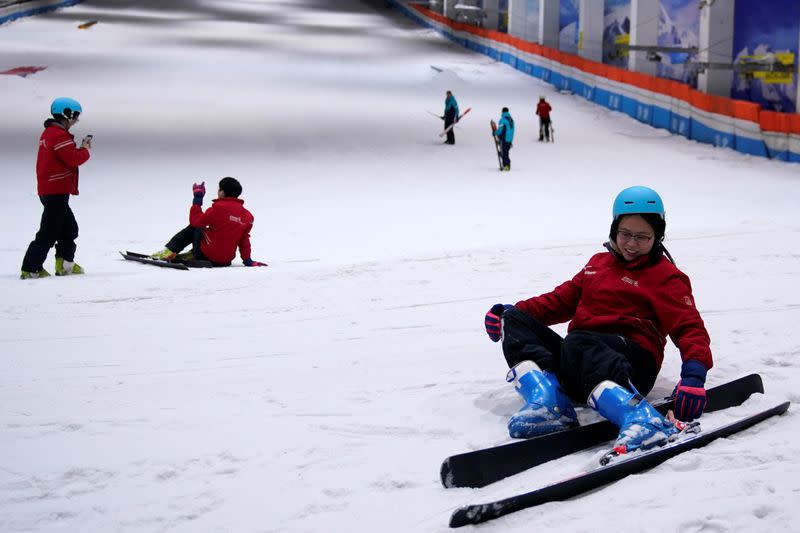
(178, 264)
(453, 125)
(482, 467)
(582, 483)
(497, 144)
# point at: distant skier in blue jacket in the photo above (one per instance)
(505, 132)
(450, 116)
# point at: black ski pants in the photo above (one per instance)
(449, 119)
(544, 129)
(581, 360)
(185, 237)
(58, 228)
(505, 147)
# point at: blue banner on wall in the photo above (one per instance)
(568, 26)
(763, 28)
(616, 29)
(679, 27)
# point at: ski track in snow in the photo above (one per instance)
(322, 393)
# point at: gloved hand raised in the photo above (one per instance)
(250, 263)
(690, 392)
(493, 323)
(198, 190)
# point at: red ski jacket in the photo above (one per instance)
(226, 225)
(543, 109)
(58, 160)
(642, 302)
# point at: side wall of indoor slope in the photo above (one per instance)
(13, 10)
(659, 102)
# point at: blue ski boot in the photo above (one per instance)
(547, 409)
(640, 426)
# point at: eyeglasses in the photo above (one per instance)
(640, 238)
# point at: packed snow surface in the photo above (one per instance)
(323, 392)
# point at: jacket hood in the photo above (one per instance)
(226, 199)
(53, 122)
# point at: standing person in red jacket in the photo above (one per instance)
(56, 179)
(621, 306)
(543, 109)
(216, 233)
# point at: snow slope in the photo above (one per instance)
(322, 393)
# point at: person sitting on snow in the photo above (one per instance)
(622, 306)
(216, 233)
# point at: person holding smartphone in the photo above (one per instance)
(57, 179)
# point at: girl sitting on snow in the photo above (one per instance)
(621, 306)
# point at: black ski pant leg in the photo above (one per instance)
(541, 129)
(506, 146)
(546, 124)
(185, 237)
(196, 239)
(589, 358)
(65, 243)
(56, 207)
(527, 339)
(451, 135)
(182, 239)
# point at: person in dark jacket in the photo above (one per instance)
(621, 306)
(450, 117)
(543, 109)
(56, 179)
(505, 132)
(215, 234)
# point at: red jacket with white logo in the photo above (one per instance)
(642, 302)
(543, 109)
(58, 160)
(226, 225)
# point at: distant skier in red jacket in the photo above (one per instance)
(543, 109)
(216, 233)
(56, 179)
(621, 306)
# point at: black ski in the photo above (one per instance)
(582, 483)
(178, 264)
(482, 467)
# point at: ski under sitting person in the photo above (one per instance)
(57, 165)
(621, 306)
(214, 234)
(505, 132)
(450, 117)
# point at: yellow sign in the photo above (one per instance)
(625, 38)
(786, 58)
(774, 77)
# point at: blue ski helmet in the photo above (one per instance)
(66, 107)
(638, 200)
